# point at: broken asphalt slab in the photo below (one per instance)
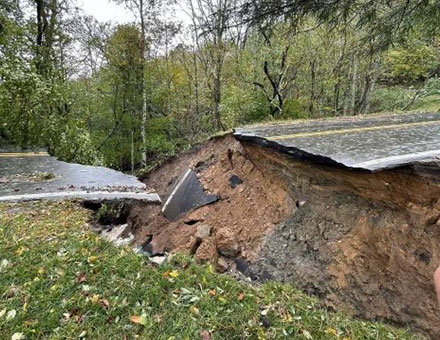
(373, 142)
(61, 180)
(187, 194)
(89, 196)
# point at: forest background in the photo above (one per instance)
(127, 96)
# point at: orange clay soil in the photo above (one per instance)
(235, 224)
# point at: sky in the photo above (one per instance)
(105, 10)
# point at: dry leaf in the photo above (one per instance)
(174, 274)
(241, 296)
(194, 310)
(95, 299)
(212, 292)
(81, 278)
(18, 336)
(104, 303)
(205, 335)
(140, 320)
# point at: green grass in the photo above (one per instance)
(60, 281)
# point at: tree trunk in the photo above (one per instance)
(353, 85)
(143, 87)
(312, 87)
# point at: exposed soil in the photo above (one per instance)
(365, 243)
(244, 214)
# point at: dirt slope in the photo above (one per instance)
(365, 243)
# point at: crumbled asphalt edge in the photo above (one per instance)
(311, 157)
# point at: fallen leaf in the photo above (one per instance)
(331, 331)
(11, 314)
(2, 312)
(205, 335)
(174, 274)
(194, 310)
(18, 336)
(104, 303)
(307, 335)
(212, 292)
(140, 320)
(81, 278)
(95, 299)
(241, 296)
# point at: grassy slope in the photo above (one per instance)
(63, 282)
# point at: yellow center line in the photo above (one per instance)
(22, 154)
(353, 130)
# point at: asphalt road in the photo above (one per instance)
(367, 142)
(22, 175)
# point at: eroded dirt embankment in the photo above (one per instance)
(366, 243)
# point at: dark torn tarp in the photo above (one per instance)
(372, 142)
(186, 195)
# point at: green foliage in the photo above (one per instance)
(394, 98)
(296, 108)
(411, 62)
(241, 106)
(432, 87)
(158, 140)
(73, 144)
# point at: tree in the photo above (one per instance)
(211, 19)
(385, 22)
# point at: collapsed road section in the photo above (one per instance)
(365, 242)
(370, 142)
(34, 176)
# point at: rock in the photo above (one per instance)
(227, 243)
(207, 251)
(195, 215)
(300, 203)
(223, 264)
(152, 248)
(114, 233)
(247, 167)
(158, 259)
(203, 231)
(234, 181)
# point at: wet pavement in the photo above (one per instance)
(364, 142)
(40, 175)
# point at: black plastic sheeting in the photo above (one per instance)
(368, 143)
(187, 194)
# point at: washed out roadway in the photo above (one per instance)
(71, 181)
(372, 142)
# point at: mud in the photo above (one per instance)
(365, 243)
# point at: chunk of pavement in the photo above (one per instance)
(158, 259)
(114, 235)
(203, 231)
(188, 194)
(234, 180)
